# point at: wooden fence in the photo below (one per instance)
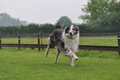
(82, 47)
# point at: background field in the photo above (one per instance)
(30, 64)
(83, 40)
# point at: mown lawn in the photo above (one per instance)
(99, 40)
(30, 64)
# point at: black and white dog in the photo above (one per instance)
(65, 40)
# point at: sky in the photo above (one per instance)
(43, 11)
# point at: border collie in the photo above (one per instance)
(65, 40)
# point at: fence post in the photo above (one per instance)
(0, 43)
(41, 42)
(38, 42)
(18, 42)
(118, 35)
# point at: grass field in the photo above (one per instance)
(30, 64)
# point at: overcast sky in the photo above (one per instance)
(43, 11)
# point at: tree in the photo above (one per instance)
(102, 15)
(95, 8)
(64, 20)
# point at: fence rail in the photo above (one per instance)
(81, 47)
(99, 48)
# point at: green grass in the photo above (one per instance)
(30, 64)
(99, 41)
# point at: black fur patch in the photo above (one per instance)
(62, 44)
(66, 30)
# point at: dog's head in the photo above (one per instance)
(71, 31)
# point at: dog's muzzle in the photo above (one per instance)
(71, 34)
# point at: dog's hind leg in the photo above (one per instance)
(56, 60)
(47, 51)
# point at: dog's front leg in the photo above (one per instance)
(73, 58)
(72, 61)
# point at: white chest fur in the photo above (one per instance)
(71, 43)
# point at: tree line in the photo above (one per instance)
(30, 29)
(47, 29)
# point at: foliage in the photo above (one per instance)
(96, 8)
(48, 28)
(102, 15)
(64, 20)
(30, 29)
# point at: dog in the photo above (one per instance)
(65, 40)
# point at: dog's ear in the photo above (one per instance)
(66, 29)
(77, 28)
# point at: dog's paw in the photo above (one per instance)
(72, 65)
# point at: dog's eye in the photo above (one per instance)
(73, 29)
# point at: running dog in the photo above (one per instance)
(65, 40)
